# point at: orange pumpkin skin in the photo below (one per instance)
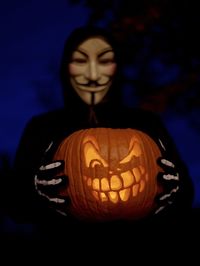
(112, 173)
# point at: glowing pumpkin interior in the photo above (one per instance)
(112, 173)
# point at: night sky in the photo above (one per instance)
(32, 38)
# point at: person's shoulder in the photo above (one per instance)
(141, 113)
(47, 117)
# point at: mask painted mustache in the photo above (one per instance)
(91, 83)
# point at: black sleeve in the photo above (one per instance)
(21, 201)
(184, 199)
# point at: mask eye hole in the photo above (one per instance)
(79, 61)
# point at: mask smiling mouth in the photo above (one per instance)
(92, 83)
(92, 86)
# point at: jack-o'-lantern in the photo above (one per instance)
(112, 173)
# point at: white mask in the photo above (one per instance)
(91, 69)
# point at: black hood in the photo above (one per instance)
(71, 100)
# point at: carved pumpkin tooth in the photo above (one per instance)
(95, 194)
(89, 182)
(125, 194)
(95, 184)
(142, 185)
(105, 184)
(113, 196)
(128, 178)
(137, 174)
(115, 183)
(103, 196)
(135, 190)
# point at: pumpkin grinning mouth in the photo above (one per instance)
(120, 187)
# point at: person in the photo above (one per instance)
(92, 83)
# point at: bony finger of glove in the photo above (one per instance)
(53, 186)
(47, 171)
(52, 197)
(170, 171)
(59, 204)
(168, 178)
(50, 150)
(165, 163)
(56, 181)
(167, 197)
(63, 208)
(61, 201)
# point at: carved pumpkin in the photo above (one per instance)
(112, 173)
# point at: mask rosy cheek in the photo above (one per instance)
(73, 69)
(111, 69)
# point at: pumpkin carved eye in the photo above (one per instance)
(134, 150)
(112, 173)
(94, 163)
(92, 156)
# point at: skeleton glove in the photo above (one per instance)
(48, 181)
(170, 182)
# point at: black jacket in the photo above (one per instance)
(56, 125)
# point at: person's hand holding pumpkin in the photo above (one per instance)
(47, 183)
(169, 179)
